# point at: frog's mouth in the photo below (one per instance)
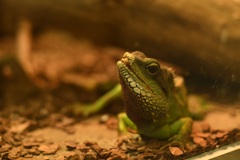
(126, 72)
(126, 69)
(126, 60)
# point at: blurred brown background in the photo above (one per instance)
(200, 38)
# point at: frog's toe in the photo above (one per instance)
(179, 141)
(175, 143)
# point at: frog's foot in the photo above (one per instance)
(129, 139)
(180, 142)
(183, 143)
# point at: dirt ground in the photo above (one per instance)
(97, 138)
(36, 123)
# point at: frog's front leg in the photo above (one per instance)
(91, 108)
(181, 129)
(124, 123)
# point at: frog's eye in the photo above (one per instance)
(153, 68)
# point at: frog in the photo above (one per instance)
(155, 100)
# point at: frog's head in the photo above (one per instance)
(146, 86)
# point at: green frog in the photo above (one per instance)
(155, 100)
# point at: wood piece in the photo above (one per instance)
(203, 37)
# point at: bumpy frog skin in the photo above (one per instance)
(155, 99)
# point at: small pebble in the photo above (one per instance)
(176, 151)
